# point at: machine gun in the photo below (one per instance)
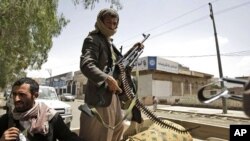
(124, 65)
(225, 93)
(122, 72)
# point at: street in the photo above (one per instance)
(76, 113)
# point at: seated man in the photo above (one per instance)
(31, 120)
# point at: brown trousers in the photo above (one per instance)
(92, 130)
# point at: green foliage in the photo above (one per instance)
(26, 32)
(91, 3)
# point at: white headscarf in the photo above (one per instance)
(99, 25)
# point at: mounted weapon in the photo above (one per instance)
(242, 97)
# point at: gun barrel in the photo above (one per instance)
(236, 81)
(133, 51)
(145, 38)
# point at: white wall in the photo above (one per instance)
(145, 85)
(162, 88)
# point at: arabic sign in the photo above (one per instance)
(156, 63)
(167, 65)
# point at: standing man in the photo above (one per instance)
(31, 120)
(98, 53)
(155, 102)
(97, 59)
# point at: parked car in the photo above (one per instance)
(67, 97)
(49, 96)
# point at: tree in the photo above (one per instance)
(91, 3)
(26, 31)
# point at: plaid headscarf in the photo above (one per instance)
(38, 116)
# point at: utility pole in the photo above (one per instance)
(224, 101)
(50, 75)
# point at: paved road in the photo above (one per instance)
(204, 115)
(76, 113)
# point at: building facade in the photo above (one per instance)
(157, 77)
(163, 78)
(63, 83)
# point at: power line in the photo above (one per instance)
(232, 8)
(229, 54)
(200, 19)
(241, 53)
(232, 54)
(189, 23)
(180, 26)
(167, 22)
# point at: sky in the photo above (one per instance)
(180, 31)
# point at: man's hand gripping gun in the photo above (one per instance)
(127, 62)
